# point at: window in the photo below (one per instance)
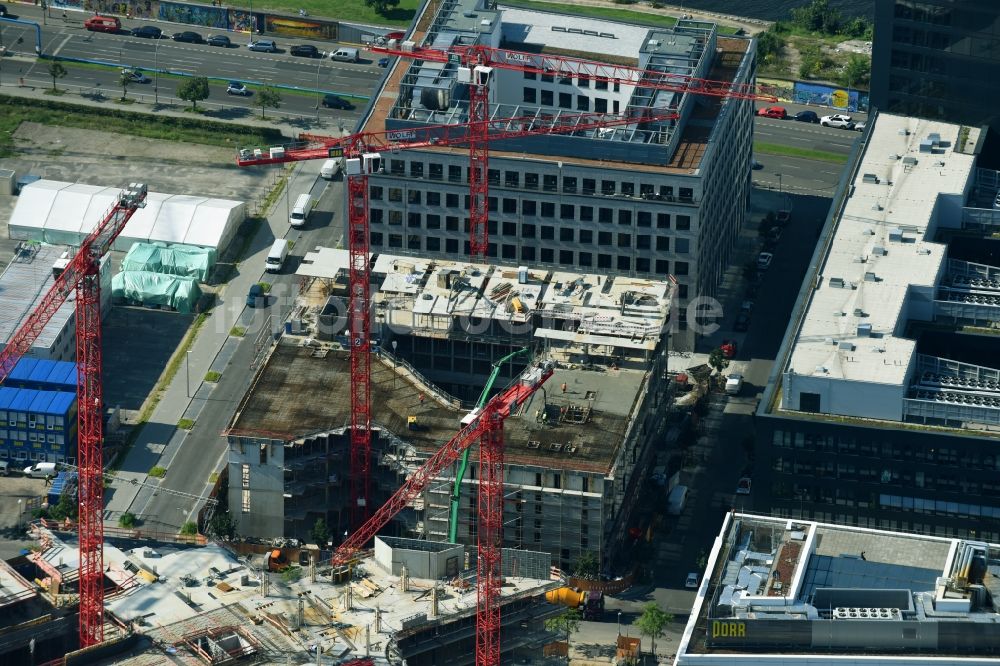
(396, 240)
(451, 200)
(682, 246)
(624, 262)
(493, 176)
(680, 268)
(605, 215)
(512, 178)
(510, 206)
(527, 231)
(628, 189)
(451, 223)
(548, 233)
(663, 243)
(604, 261)
(546, 97)
(397, 167)
(528, 207)
(585, 259)
(395, 217)
(624, 240)
(549, 183)
(607, 187)
(395, 194)
(567, 212)
(376, 238)
(589, 185)
(662, 267)
(663, 220)
(548, 209)
(686, 194)
(565, 101)
(600, 104)
(566, 257)
(583, 81)
(604, 238)
(600, 85)
(566, 234)
(413, 197)
(586, 236)
(451, 246)
(509, 251)
(433, 198)
(642, 241)
(582, 103)
(586, 214)
(375, 193)
(491, 204)
(625, 217)
(643, 219)
(529, 95)
(245, 475)
(548, 256)
(531, 181)
(416, 169)
(412, 242)
(569, 184)
(246, 500)
(454, 173)
(436, 171)
(530, 76)
(413, 220)
(683, 223)
(527, 254)
(433, 244)
(642, 264)
(809, 402)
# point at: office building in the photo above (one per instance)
(576, 452)
(649, 200)
(937, 59)
(37, 426)
(781, 591)
(883, 408)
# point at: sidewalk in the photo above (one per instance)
(160, 439)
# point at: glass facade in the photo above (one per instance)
(938, 59)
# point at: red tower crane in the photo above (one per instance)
(82, 275)
(363, 157)
(476, 66)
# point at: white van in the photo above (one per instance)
(301, 209)
(40, 470)
(676, 500)
(331, 169)
(4, 468)
(276, 257)
(346, 54)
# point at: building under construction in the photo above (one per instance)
(405, 601)
(575, 452)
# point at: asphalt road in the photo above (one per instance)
(203, 447)
(70, 40)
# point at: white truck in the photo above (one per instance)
(676, 500)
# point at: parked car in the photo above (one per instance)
(305, 51)
(256, 296)
(806, 117)
(135, 75)
(743, 486)
(764, 261)
(691, 582)
(747, 306)
(838, 120)
(237, 88)
(734, 384)
(100, 23)
(996, 202)
(219, 40)
(861, 126)
(147, 32)
(755, 165)
(383, 62)
(778, 112)
(264, 45)
(334, 102)
(742, 322)
(189, 37)
(3, 11)
(783, 217)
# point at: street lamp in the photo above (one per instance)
(19, 514)
(395, 364)
(156, 72)
(619, 623)
(250, 24)
(779, 182)
(187, 373)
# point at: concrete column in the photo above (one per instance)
(434, 601)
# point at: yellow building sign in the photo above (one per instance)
(728, 629)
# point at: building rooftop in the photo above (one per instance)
(856, 592)
(23, 283)
(881, 252)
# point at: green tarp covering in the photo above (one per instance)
(185, 260)
(156, 289)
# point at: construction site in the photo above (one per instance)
(574, 451)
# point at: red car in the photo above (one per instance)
(773, 112)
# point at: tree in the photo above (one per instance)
(126, 81)
(291, 575)
(222, 525)
(717, 360)
(268, 97)
(652, 622)
(56, 71)
(769, 45)
(190, 528)
(382, 7)
(857, 71)
(817, 16)
(320, 533)
(127, 520)
(193, 90)
(568, 621)
(65, 508)
(586, 566)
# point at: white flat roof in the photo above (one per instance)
(903, 200)
(522, 25)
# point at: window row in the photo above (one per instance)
(545, 209)
(566, 101)
(544, 182)
(580, 80)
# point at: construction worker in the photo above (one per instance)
(421, 398)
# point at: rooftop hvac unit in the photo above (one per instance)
(910, 161)
(846, 346)
(870, 277)
(837, 282)
(879, 251)
(864, 330)
(870, 178)
(927, 146)
(934, 138)
(867, 614)
(895, 235)
(903, 132)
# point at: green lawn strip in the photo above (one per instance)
(15, 110)
(804, 153)
(344, 10)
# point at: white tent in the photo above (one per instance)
(64, 213)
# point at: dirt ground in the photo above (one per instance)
(12, 489)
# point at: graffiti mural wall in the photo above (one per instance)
(296, 27)
(837, 98)
(206, 17)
